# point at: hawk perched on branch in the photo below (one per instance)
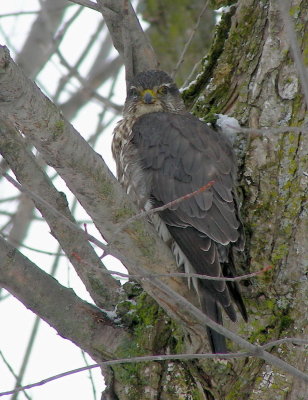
(163, 153)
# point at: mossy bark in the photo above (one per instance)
(248, 73)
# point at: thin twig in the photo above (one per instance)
(33, 335)
(10, 199)
(192, 74)
(106, 102)
(83, 353)
(180, 274)
(187, 44)
(129, 361)
(55, 211)
(180, 301)
(48, 253)
(6, 225)
(12, 372)
(163, 207)
(295, 341)
(65, 79)
(86, 3)
(157, 358)
(18, 14)
(285, 129)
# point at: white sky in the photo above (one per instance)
(51, 354)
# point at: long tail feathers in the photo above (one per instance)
(212, 310)
(214, 295)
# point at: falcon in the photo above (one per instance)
(162, 152)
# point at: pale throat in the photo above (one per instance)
(142, 109)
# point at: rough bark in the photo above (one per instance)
(255, 80)
(249, 73)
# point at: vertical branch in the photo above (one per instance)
(128, 36)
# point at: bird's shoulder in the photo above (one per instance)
(186, 139)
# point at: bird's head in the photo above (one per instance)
(152, 91)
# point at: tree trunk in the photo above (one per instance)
(249, 73)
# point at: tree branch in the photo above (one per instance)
(23, 164)
(168, 357)
(127, 361)
(87, 177)
(124, 25)
(86, 3)
(39, 45)
(74, 319)
(165, 206)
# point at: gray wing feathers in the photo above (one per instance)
(180, 155)
(184, 155)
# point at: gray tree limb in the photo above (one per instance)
(128, 36)
(103, 289)
(74, 319)
(87, 176)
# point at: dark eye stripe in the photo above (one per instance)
(163, 89)
(133, 92)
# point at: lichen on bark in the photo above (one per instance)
(249, 73)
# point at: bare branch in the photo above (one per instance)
(94, 80)
(18, 14)
(128, 361)
(50, 299)
(123, 23)
(90, 374)
(187, 44)
(12, 372)
(168, 357)
(164, 207)
(184, 275)
(264, 131)
(31, 176)
(9, 199)
(48, 253)
(39, 44)
(26, 356)
(92, 40)
(86, 90)
(294, 341)
(86, 3)
(84, 172)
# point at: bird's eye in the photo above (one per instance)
(163, 89)
(133, 92)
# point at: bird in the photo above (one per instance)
(162, 153)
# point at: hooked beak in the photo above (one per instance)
(148, 97)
